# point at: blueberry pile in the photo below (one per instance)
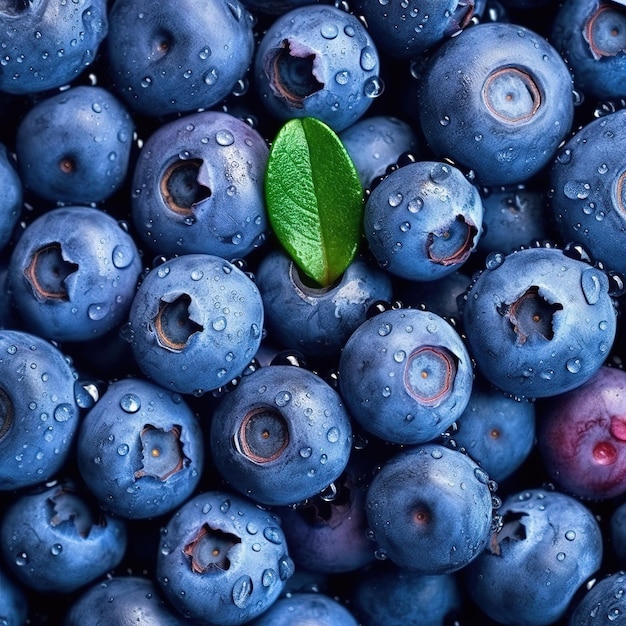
(194, 431)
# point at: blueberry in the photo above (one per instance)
(38, 411)
(140, 450)
(281, 436)
(617, 533)
(12, 197)
(195, 323)
(423, 221)
(430, 509)
(198, 187)
(13, 600)
(587, 194)
(73, 273)
(306, 608)
(405, 375)
(497, 99)
(317, 61)
(122, 600)
(604, 602)
(176, 57)
(582, 436)
(317, 321)
(48, 43)
(56, 540)
(541, 322)
(550, 543)
(75, 146)
(222, 560)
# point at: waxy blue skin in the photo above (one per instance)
(13, 602)
(590, 35)
(587, 193)
(140, 449)
(177, 57)
(317, 321)
(84, 287)
(317, 61)
(220, 311)
(423, 221)
(281, 436)
(12, 196)
(381, 374)
(121, 600)
(306, 608)
(75, 146)
(198, 187)
(604, 603)
(56, 540)
(496, 99)
(245, 574)
(430, 509)
(549, 546)
(542, 322)
(49, 42)
(39, 415)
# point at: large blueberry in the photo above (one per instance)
(317, 321)
(48, 43)
(175, 57)
(549, 545)
(13, 602)
(405, 375)
(423, 221)
(198, 187)
(140, 449)
(12, 196)
(38, 411)
(281, 436)
(73, 273)
(539, 322)
(222, 559)
(602, 603)
(317, 61)
(56, 540)
(195, 323)
(430, 509)
(74, 147)
(497, 99)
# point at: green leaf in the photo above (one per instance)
(314, 198)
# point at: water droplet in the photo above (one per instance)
(97, 311)
(333, 435)
(211, 76)
(415, 205)
(163, 271)
(369, 58)
(384, 329)
(285, 567)
(573, 365)
(282, 398)
(21, 559)
(399, 356)
(380, 554)
(146, 81)
(224, 138)
(196, 274)
(63, 412)
(205, 53)
(342, 77)
(373, 87)
(122, 256)
(603, 168)
(445, 120)
(386, 391)
(225, 506)
(273, 535)
(219, 323)
(268, 577)
(12, 349)
(123, 449)
(252, 528)
(494, 260)
(130, 403)
(329, 30)
(305, 453)
(591, 285)
(576, 190)
(395, 199)
(440, 172)
(560, 556)
(56, 549)
(241, 591)
(481, 475)
(436, 453)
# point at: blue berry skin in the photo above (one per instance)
(406, 30)
(498, 432)
(541, 322)
(38, 411)
(617, 533)
(317, 61)
(12, 197)
(195, 323)
(13, 601)
(306, 608)
(177, 57)
(423, 221)
(281, 436)
(604, 603)
(74, 147)
(49, 43)
(587, 189)
(549, 545)
(496, 99)
(317, 321)
(405, 375)
(198, 187)
(395, 596)
(430, 509)
(140, 449)
(376, 142)
(55, 540)
(73, 273)
(590, 35)
(222, 560)
(122, 600)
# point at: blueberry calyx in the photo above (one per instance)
(15, 7)
(47, 272)
(429, 374)
(511, 94)
(291, 69)
(68, 508)
(461, 17)
(7, 413)
(209, 549)
(263, 435)
(454, 244)
(512, 529)
(162, 452)
(173, 324)
(605, 30)
(181, 187)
